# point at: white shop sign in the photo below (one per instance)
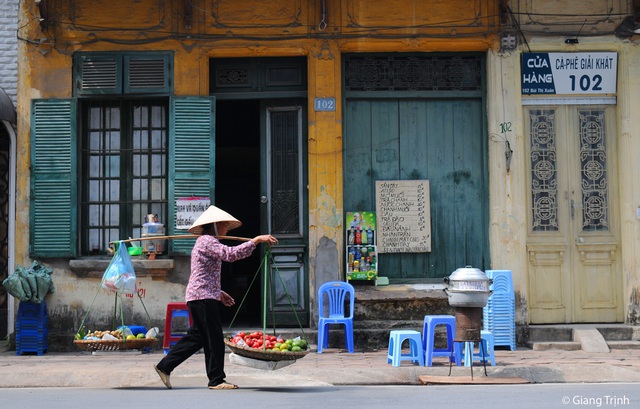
(188, 209)
(403, 216)
(569, 73)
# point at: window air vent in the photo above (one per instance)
(146, 74)
(99, 74)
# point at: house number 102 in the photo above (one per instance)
(325, 104)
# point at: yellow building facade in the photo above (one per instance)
(266, 62)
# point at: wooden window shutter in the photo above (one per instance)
(97, 74)
(122, 73)
(192, 157)
(53, 221)
(147, 73)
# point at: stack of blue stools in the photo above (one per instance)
(499, 315)
(32, 328)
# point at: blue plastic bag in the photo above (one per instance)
(120, 276)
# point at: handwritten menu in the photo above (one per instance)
(403, 216)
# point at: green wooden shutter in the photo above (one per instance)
(53, 221)
(192, 157)
(147, 73)
(97, 74)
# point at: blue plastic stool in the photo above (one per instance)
(428, 339)
(485, 350)
(395, 355)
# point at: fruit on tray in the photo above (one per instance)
(262, 341)
(102, 335)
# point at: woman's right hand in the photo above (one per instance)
(265, 238)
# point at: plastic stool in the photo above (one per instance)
(485, 350)
(174, 310)
(428, 339)
(395, 355)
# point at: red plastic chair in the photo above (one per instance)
(174, 309)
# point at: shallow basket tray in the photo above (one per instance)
(114, 345)
(264, 355)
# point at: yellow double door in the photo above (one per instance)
(573, 247)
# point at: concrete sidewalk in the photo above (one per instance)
(333, 367)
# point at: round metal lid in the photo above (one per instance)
(468, 273)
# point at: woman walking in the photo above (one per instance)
(204, 296)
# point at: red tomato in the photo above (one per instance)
(236, 339)
(241, 334)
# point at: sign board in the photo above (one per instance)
(188, 209)
(403, 213)
(569, 73)
(324, 104)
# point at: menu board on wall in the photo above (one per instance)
(404, 220)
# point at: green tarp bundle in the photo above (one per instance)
(31, 284)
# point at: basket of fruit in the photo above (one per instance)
(257, 345)
(112, 341)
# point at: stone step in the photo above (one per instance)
(595, 338)
(560, 345)
(623, 344)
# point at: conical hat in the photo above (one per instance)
(214, 215)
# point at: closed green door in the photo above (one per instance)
(440, 140)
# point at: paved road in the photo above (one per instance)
(532, 396)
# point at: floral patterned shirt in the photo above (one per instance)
(206, 265)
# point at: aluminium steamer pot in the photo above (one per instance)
(468, 287)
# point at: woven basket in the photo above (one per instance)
(114, 345)
(265, 355)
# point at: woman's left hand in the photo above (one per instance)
(226, 299)
(265, 238)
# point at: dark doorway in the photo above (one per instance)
(237, 190)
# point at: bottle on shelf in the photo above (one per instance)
(351, 237)
(370, 235)
(351, 258)
(358, 236)
(356, 266)
(363, 237)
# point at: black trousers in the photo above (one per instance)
(206, 333)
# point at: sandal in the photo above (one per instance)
(224, 385)
(163, 377)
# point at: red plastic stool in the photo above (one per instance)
(174, 309)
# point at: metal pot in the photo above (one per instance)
(468, 287)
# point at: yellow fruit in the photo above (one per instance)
(131, 336)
